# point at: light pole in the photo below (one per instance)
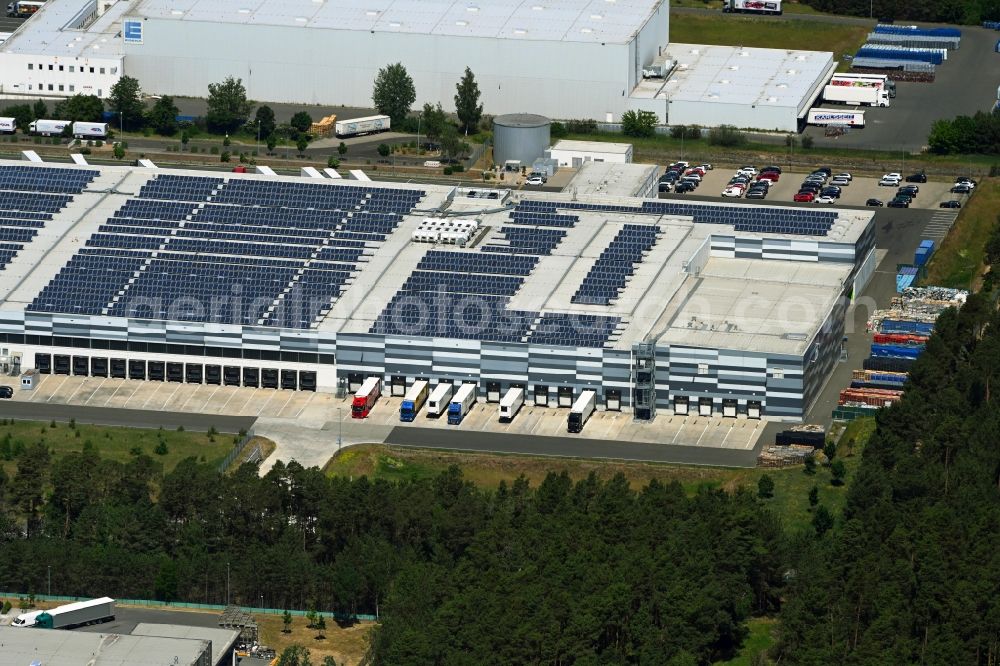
(340, 427)
(227, 583)
(258, 137)
(418, 136)
(49, 567)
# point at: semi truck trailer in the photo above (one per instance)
(48, 127)
(437, 404)
(362, 126)
(511, 403)
(70, 615)
(873, 80)
(857, 95)
(581, 411)
(413, 401)
(365, 397)
(460, 405)
(8, 125)
(824, 117)
(90, 130)
(23, 9)
(752, 6)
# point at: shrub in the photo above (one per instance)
(557, 130)
(447, 171)
(214, 150)
(639, 123)
(457, 168)
(807, 142)
(581, 126)
(726, 136)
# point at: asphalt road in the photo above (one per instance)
(130, 418)
(571, 447)
(821, 18)
(126, 618)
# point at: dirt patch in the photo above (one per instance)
(346, 645)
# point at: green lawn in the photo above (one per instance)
(958, 262)
(111, 442)
(761, 639)
(764, 32)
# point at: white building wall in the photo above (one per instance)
(649, 43)
(37, 76)
(743, 116)
(314, 66)
(566, 157)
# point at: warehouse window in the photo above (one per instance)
(61, 68)
(50, 86)
(777, 373)
(91, 70)
(50, 68)
(72, 88)
(102, 70)
(114, 70)
(72, 68)
(703, 368)
(60, 87)
(31, 65)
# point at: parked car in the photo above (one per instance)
(755, 194)
(840, 182)
(747, 170)
(826, 171)
(706, 167)
(917, 178)
(804, 197)
(810, 187)
(961, 189)
(534, 181)
(684, 186)
(692, 175)
(845, 176)
(666, 186)
(773, 168)
(966, 181)
(826, 199)
(6, 392)
(950, 204)
(889, 181)
(769, 176)
(893, 175)
(876, 203)
(909, 190)
(734, 191)
(898, 203)
(832, 190)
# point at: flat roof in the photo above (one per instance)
(56, 647)
(593, 147)
(53, 31)
(737, 75)
(745, 304)
(593, 21)
(611, 179)
(222, 640)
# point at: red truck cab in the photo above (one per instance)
(365, 397)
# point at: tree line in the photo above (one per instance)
(978, 134)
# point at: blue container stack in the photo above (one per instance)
(991, 25)
(906, 326)
(896, 351)
(891, 29)
(924, 252)
(905, 277)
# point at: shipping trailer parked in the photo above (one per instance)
(414, 400)
(460, 405)
(581, 411)
(512, 402)
(365, 397)
(752, 6)
(824, 117)
(362, 126)
(48, 127)
(70, 615)
(440, 397)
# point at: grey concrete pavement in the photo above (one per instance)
(130, 418)
(572, 447)
(127, 617)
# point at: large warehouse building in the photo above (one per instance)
(565, 59)
(299, 283)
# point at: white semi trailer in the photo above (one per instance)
(856, 95)
(752, 6)
(361, 126)
(845, 117)
(70, 615)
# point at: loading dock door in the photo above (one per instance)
(269, 378)
(62, 364)
(251, 377)
(119, 368)
(753, 409)
(354, 381)
(565, 396)
(157, 371)
(80, 364)
(398, 386)
(492, 391)
(231, 375)
(99, 367)
(290, 380)
(681, 405)
(704, 406)
(136, 369)
(613, 400)
(213, 374)
(307, 381)
(541, 396)
(43, 363)
(175, 372)
(729, 408)
(193, 373)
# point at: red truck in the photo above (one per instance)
(365, 398)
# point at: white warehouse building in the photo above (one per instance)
(560, 58)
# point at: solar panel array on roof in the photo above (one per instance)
(526, 240)
(574, 330)
(176, 253)
(608, 275)
(30, 197)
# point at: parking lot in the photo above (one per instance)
(861, 188)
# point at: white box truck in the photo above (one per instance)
(48, 127)
(70, 615)
(8, 125)
(361, 126)
(752, 6)
(90, 130)
(437, 404)
(23, 9)
(461, 403)
(511, 403)
(414, 399)
(857, 95)
(824, 117)
(581, 411)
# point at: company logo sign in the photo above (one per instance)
(848, 117)
(132, 31)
